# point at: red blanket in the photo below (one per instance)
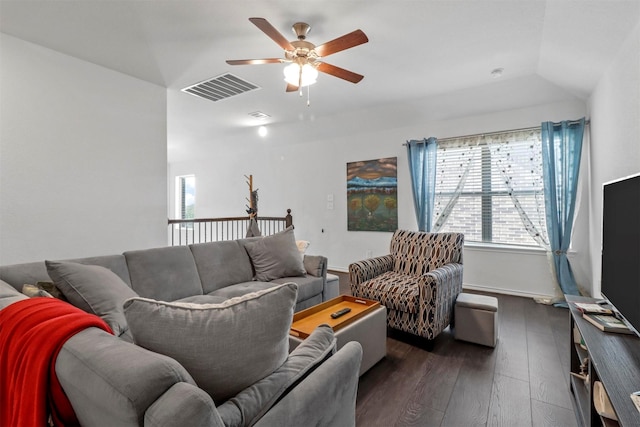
(32, 332)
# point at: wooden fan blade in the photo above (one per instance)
(253, 61)
(347, 41)
(291, 88)
(270, 31)
(339, 72)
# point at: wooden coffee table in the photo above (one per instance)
(365, 323)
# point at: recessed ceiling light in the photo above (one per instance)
(259, 115)
(262, 131)
(497, 72)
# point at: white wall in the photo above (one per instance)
(615, 128)
(301, 174)
(83, 160)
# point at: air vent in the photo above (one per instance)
(221, 87)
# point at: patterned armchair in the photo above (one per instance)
(418, 281)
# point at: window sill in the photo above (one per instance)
(495, 247)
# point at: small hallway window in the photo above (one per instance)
(186, 197)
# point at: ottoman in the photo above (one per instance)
(370, 330)
(476, 319)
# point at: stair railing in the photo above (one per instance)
(202, 230)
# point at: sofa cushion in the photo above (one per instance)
(18, 275)
(308, 286)
(9, 295)
(94, 289)
(203, 299)
(394, 290)
(315, 265)
(225, 347)
(32, 272)
(275, 256)
(416, 252)
(115, 263)
(240, 289)
(221, 264)
(164, 274)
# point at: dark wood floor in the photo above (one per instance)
(522, 382)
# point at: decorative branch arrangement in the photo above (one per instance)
(252, 207)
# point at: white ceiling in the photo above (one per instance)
(434, 54)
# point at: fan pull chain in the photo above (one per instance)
(308, 95)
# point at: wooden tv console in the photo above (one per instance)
(611, 358)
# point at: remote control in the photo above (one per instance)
(340, 313)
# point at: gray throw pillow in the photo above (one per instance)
(225, 347)
(94, 289)
(275, 256)
(253, 402)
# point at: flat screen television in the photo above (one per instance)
(620, 283)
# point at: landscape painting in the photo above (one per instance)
(372, 195)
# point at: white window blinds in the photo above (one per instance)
(490, 188)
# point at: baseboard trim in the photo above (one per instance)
(512, 292)
(479, 288)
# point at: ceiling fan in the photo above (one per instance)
(303, 56)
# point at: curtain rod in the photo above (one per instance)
(571, 122)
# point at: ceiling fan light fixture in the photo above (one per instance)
(292, 74)
(304, 56)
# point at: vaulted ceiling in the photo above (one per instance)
(430, 56)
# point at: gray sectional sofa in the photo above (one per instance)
(120, 380)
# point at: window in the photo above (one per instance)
(186, 197)
(491, 188)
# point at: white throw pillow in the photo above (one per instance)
(302, 247)
(225, 347)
